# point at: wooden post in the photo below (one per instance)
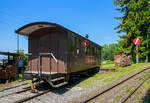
(17, 42)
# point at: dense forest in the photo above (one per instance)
(135, 23)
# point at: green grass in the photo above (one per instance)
(19, 77)
(146, 88)
(108, 65)
(121, 71)
(130, 90)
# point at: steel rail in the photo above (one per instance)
(93, 97)
(23, 90)
(125, 99)
(31, 97)
(18, 92)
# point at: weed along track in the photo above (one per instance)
(132, 93)
(119, 86)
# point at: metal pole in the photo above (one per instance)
(147, 49)
(137, 58)
(17, 42)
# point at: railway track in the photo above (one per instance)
(12, 87)
(18, 92)
(112, 87)
(31, 97)
(25, 89)
(25, 94)
(126, 98)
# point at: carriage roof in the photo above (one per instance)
(28, 29)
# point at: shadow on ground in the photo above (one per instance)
(75, 80)
(146, 99)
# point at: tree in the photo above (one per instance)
(135, 22)
(23, 56)
(109, 50)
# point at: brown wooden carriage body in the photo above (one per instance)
(56, 50)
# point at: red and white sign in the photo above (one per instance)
(136, 41)
(84, 44)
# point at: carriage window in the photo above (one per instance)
(95, 50)
(78, 51)
(92, 50)
(77, 43)
(99, 51)
(72, 44)
(88, 50)
(82, 49)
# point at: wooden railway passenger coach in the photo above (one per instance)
(56, 52)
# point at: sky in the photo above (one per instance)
(92, 17)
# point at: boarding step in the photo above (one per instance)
(57, 79)
(61, 84)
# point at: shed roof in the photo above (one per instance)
(8, 53)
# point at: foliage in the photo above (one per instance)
(146, 88)
(135, 22)
(23, 56)
(109, 50)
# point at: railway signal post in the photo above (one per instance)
(137, 42)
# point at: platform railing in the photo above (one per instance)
(51, 55)
(55, 60)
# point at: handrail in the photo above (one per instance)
(50, 54)
(50, 60)
(54, 57)
(44, 53)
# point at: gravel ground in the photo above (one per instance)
(117, 94)
(77, 93)
(65, 94)
(73, 93)
(11, 89)
(8, 95)
(140, 95)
